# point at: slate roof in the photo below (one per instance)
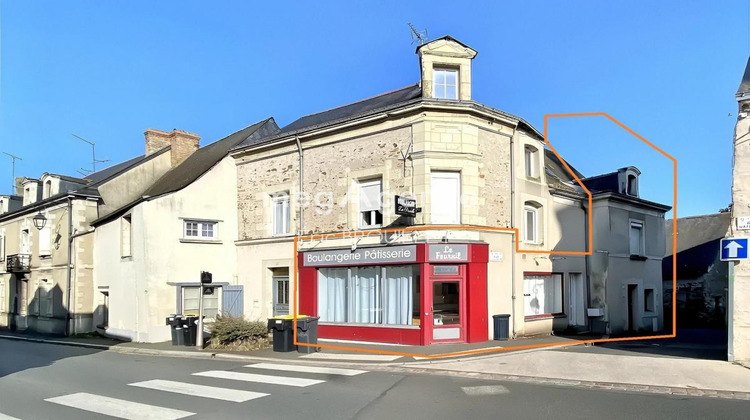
(697, 230)
(197, 164)
(744, 88)
(105, 174)
(206, 157)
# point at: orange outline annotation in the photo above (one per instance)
(518, 250)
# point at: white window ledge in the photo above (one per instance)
(201, 241)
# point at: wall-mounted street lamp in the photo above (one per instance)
(39, 221)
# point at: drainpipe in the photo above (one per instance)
(512, 224)
(70, 261)
(587, 259)
(301, 227)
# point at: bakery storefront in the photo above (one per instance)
(416, 294)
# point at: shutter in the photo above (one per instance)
(232, 301)
(44, 240)
(369, 196)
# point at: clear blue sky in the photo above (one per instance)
(108, 70)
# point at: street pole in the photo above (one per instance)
(199, 335)
(730, 312)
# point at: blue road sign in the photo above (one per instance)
(733, 249)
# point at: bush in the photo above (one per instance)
(238, 333)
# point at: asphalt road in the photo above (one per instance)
(42, 381)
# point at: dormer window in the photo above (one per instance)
(632, 186)
(445, 83)
(47, 188)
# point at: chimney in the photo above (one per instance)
(182, 143)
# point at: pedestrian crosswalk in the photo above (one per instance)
(264, 376)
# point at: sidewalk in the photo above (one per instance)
(608, 366)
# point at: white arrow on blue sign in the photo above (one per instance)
(733, 249)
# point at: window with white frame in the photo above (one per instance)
(542, 294)
(531, 223)
(445, 198)
(632, 188)
(445, 83)
(531, 163)
(200, 229)
(191, 302)
(2, 248)
(636, 238)
(370, 205)
(280, 214)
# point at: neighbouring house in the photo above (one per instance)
(466, 165)
(47, 272)
(739, 285)
(701, 275)
(150, 250)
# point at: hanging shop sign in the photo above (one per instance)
(406, 206)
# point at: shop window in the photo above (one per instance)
(648, 300)
(531, 162)
(280, 214)
(445, 198)
(370, 205)
(200, 229)
(369, 295)
(126, 236)
(445, 83)
(542, 295)
(211, 301)
(636, 238)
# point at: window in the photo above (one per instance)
(3, 307)
(25, 241)
(369, 295)
(636, 238)
(200, 229)
(2, 248)
(445, 198)
(446, 83)
(45, 296)
(542, 294)
(126, 236)
(531, 162)
(211, 301)
(530, 224)
(44, 241)
(648, 300)
(47, 188)
(370, 205)
(632, 185)
(280, 222)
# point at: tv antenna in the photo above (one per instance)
(94, 161)
(417, 36)
(15, 158)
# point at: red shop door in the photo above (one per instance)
(446, 322)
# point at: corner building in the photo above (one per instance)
(331, 178)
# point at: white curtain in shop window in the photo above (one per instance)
(364, 295)
(332, 294)
(397, 288)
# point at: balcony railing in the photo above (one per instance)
(18, 263)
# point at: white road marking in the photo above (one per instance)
(266, 379)
(360, 357)
(216, 393)
(475, 391)
(307, 369)
(118, 408)
(7, 417)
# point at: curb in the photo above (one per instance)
(406, 367)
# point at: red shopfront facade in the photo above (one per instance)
(417, 294)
